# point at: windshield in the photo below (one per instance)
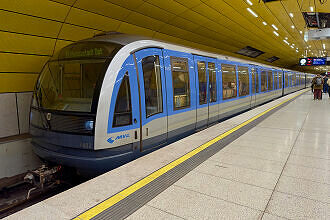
(71, 82)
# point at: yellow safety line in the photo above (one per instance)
(131, 189)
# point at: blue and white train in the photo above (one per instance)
(104, 101)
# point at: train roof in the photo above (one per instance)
(126, 39)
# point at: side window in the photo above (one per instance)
(286, 79)
(152, 85)
(243, 80)
(213, 82)
(229, 89)
(123, 108)
(280, 79)
(253, 76)
(270, 80)
(202, 82)
(263, 81)
(180, 78)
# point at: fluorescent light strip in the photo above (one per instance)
(264, 23)
(311, 8)
(252, 12)
(275, 33)
(324, 46)
(292, 26)
(274, 27)
(285, 41)
(300, 32)
(291, 15)
(249, 2)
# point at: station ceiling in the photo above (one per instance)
(32, 31)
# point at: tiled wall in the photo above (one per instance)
(14, 113)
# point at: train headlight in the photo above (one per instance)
(89, 125)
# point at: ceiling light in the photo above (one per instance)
(274, 27)
(311, 8)
(292, 46)
(285, 41)
(264, 23)
(310, 46)
(292, 26)
(252, 12)
(249, 2)
(324, 46)
(275, 33)
(286, 38)
(291, 15)
(300, 32)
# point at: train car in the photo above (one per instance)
(104, 101)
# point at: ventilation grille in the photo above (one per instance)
(272, 59)
(250, 52)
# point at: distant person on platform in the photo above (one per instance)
(328, 82)
(318, 86)
(325, 84)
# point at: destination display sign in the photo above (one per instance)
(312, 61)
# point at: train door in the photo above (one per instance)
(254, 84)
(152, 89)
(206, 87)
(202, 85)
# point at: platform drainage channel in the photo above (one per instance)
(139, 198)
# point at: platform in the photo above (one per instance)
(272, 162)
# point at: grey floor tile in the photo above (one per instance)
(311, 151)
(228, 190)
(239, 174)
(256, 152)
(309, 162)
(264, 146)
(293, 207)
(267, 216)
(192, 205)
(304, 188)
(249, 162)
(313, 174)
(272, 140)
(148, 212)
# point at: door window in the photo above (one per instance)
(202, 82)
(243, 80)
(229, 89)
(263, 81)
(270, 80)
(275, 80)
(152, 85)
(180, 78)
(213, 82)
(253, 72)
(280, 79)
(123, 108)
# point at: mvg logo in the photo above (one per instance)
(111, 140)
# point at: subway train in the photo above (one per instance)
(102, 102)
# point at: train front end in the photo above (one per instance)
(64, 105)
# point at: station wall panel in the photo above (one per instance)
(20, 43)
(17, 82)
(21, 63)
(40, 8)
(8, 115)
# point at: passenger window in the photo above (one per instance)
(243, 80)
(152, 85)
(229, 89)
(181, 88)
(202, 82)
(253, 72)
(123, 108)
(275, 80)
(213, 82)
(270, 80)
(293, 79)
(263, 81)
(280, 79)
(286, 79)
